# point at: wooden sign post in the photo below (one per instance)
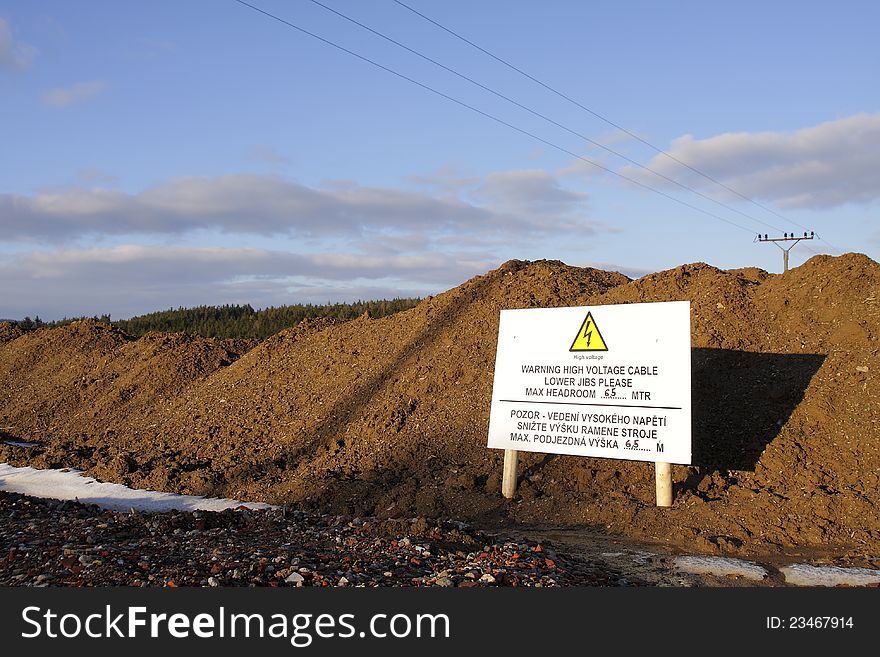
(663, 482)
(662, 477)
(601, 381)
(508, 476)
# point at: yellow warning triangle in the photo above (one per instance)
(588, 337)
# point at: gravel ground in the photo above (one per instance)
(54, 543)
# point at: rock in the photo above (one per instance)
(487, 579)
(295, 579)
(213, 581)
(443, 581)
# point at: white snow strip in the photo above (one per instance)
(71, 485)
(16, 443)
(721, 566)
(804, 575)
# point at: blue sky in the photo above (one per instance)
(165, 153)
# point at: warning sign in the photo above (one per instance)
(631, 401)
(588, 337)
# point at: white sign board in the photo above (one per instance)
(609, 381)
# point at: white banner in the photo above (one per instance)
(609, 381)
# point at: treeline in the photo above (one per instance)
(236, 321)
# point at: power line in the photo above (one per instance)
(539, 115)
(603, 118)
(490, 116)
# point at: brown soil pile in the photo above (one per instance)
(8, 332)
(388, 417)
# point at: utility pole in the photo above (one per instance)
(786, 237)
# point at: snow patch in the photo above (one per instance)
(721, 566)
(17, 443)
(71, 485)
(804, 575)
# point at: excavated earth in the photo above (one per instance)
(388, 418)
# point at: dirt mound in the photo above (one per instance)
(79, 386)
(325, 415)
(8, 332)
(388, 417)
(42, 373)
(755, 274)
(720, 301)
(825, 305)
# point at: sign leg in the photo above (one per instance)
(663, 475)
(508, 477)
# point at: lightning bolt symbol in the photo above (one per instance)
(588, 334)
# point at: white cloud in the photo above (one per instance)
(617, 136)
(447, 180)
(822, 166)
(626, 270)
(75, 93)
(266, 153)
(584, 168)
(14, 55)
(93, 175)
(128, 263)
(529, 199)
(529, 191)
(132, 279)
(508, 205)
(600, 156)
(352, 241)
(537, 202)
